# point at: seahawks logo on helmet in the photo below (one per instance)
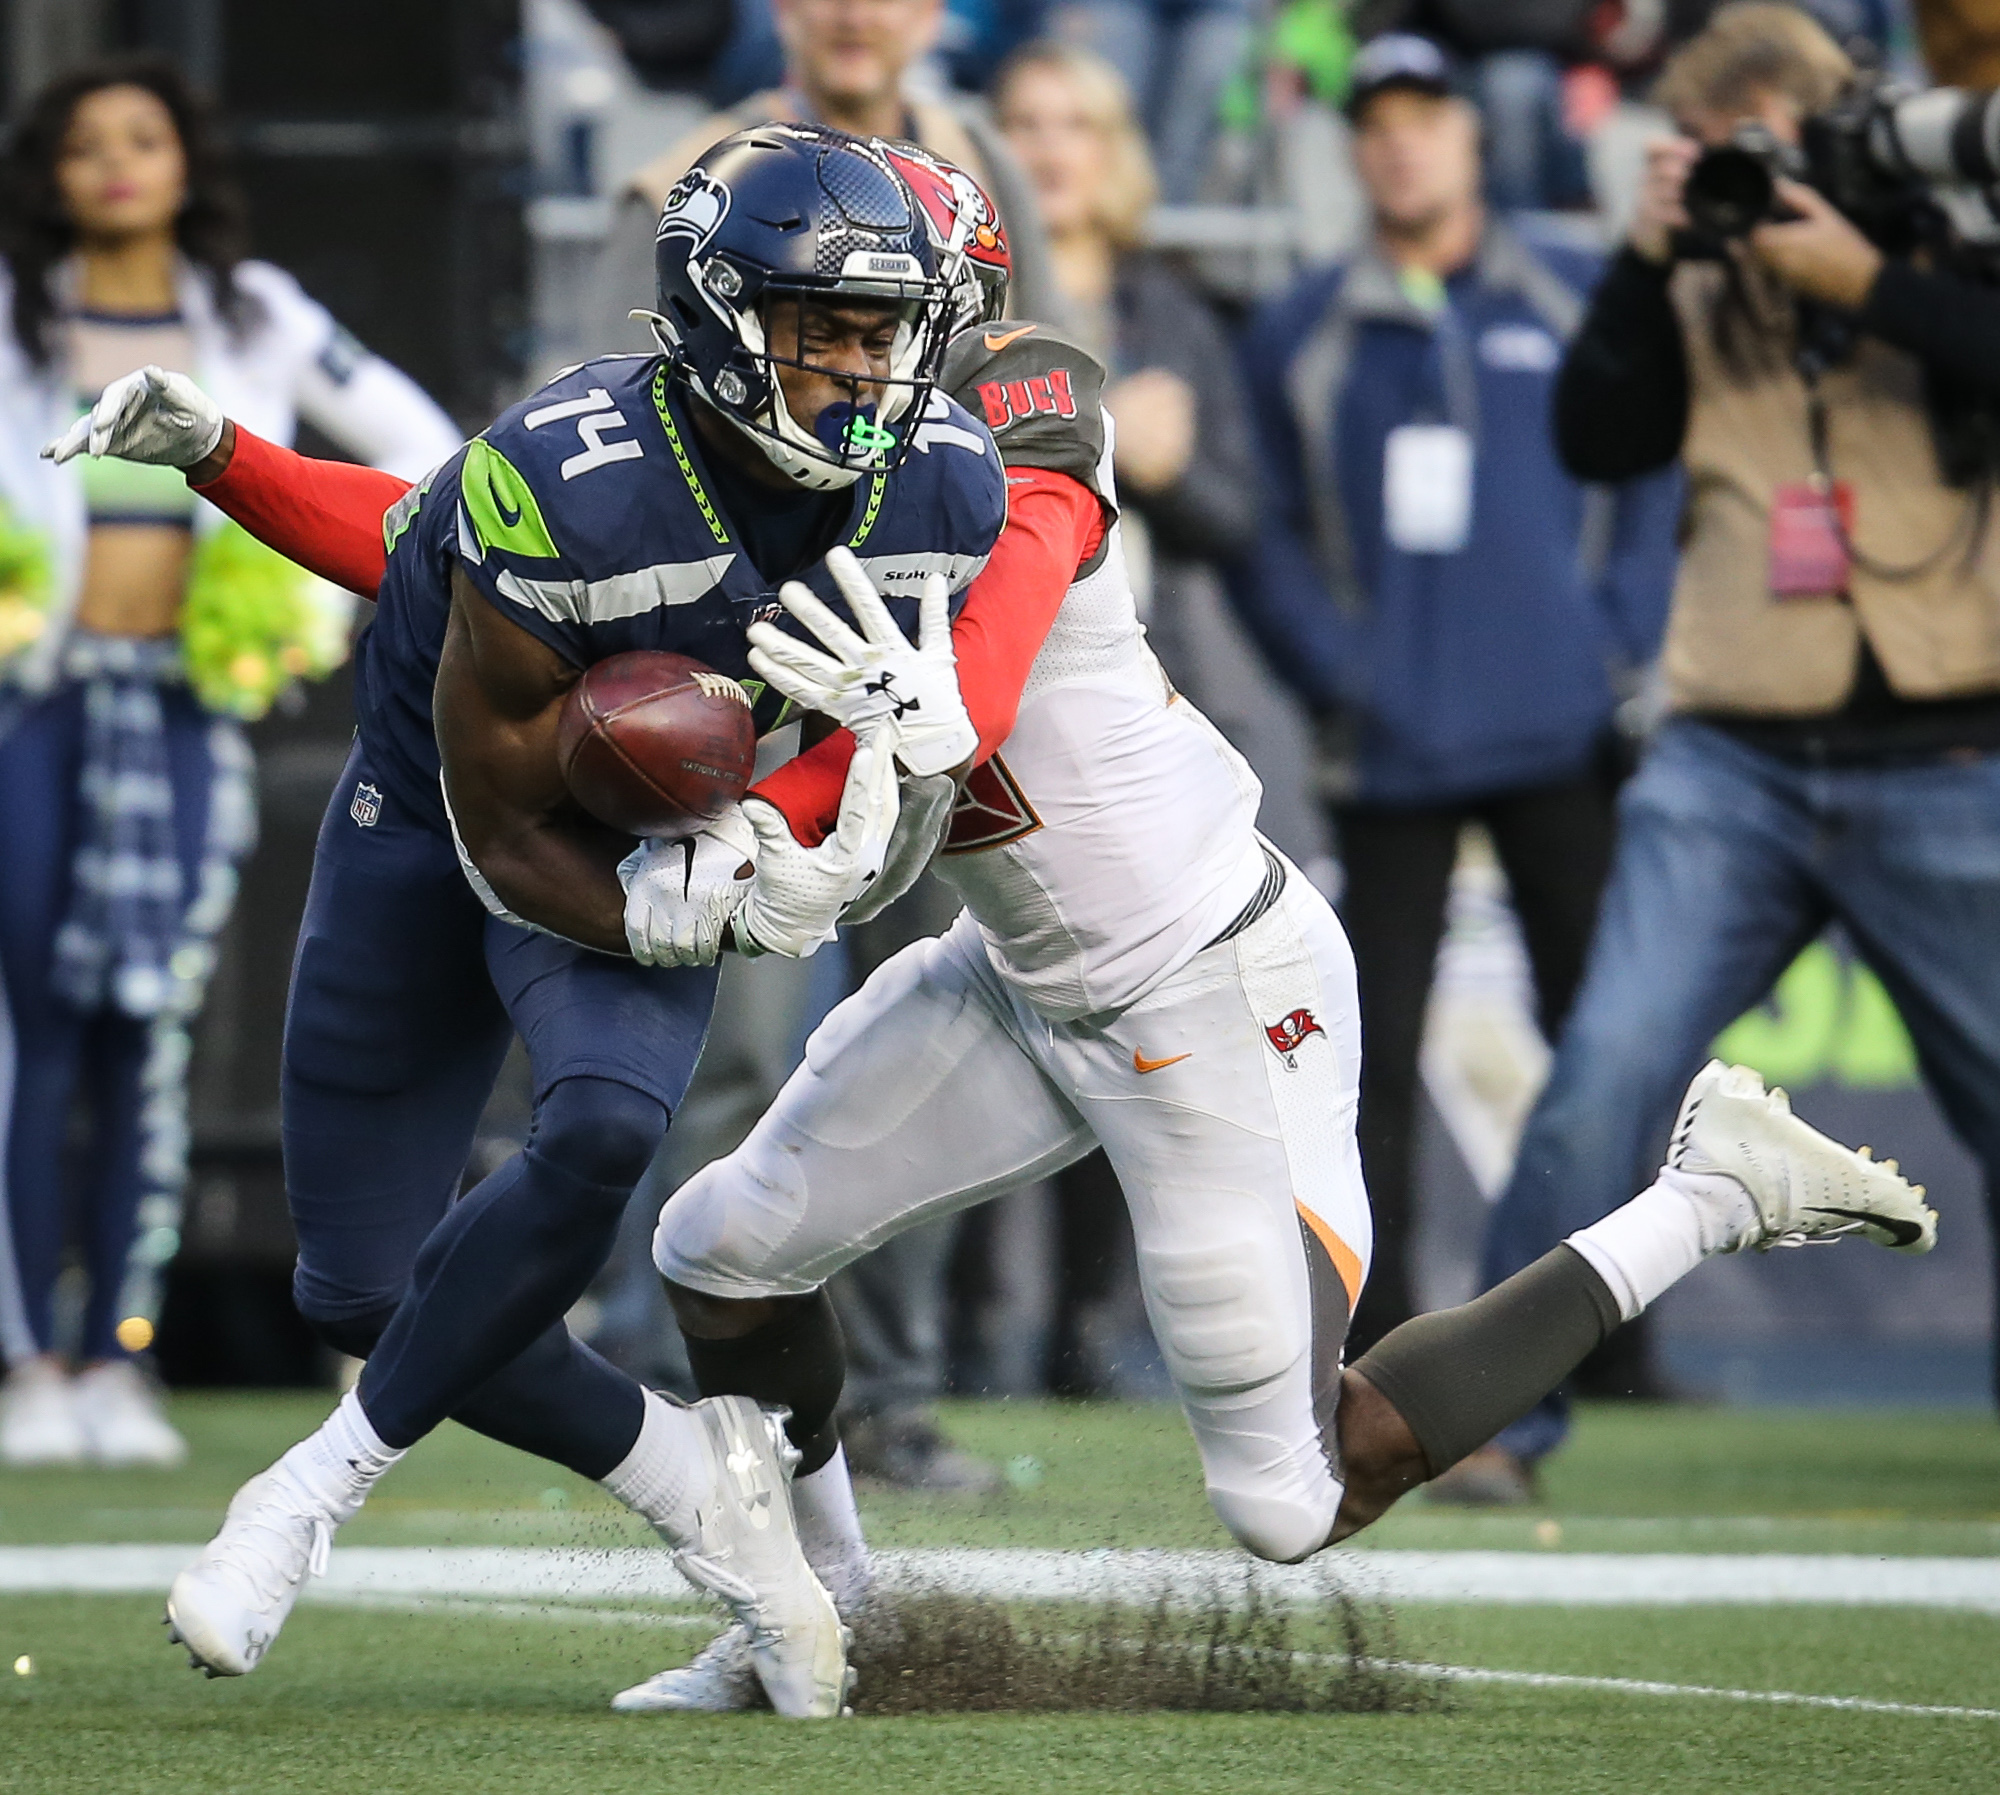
(695, 208)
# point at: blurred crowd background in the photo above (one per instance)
(1198, 191)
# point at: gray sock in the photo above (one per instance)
(1458, 1376)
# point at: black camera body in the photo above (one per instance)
(1906, 167)
(1912, 171)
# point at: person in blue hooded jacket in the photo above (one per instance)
(1459, 612)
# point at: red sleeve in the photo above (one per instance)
(807, 787)
(1054, 524)
(325, 515)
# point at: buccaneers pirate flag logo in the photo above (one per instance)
(1291, 1033)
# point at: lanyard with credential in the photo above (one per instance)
(1457, 369)
(1970, 528)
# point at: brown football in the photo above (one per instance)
(656, 744)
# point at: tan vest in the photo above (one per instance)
(1961, 40)
(936, 130)
(1731, 646)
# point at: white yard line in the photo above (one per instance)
(1518, 1578)
(502, 1582)
(1783, 1698)
(705, 1622)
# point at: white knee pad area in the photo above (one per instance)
(1280, 1529)
(1226, 1311)
(724, 1230)
(1234, 1324)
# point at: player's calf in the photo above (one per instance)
(1380, 1455)
(786, 1351)
(1742, 1173)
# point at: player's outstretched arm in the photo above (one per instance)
(325, 515)
(499, 692)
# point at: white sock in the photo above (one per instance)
(340, 1463)
(666, 1476)
(1644, 1249)
(830, 1530)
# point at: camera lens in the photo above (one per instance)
(1944, 134)
(1729, 192)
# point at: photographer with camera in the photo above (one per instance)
(1825, 362)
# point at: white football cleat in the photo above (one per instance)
(718, 1679)
(121, 1418)
(228, 1606)
(745, 1550)
(38, 1420)
(1804, 1187)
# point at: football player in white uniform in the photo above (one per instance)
(1137, 969)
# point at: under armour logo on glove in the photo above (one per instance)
(849, 678)
(885, 687)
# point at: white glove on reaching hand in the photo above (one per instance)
(150, 416)
(921, 821)
(799, 893)
(877, 675)
(681, 895)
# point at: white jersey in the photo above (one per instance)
(1113, 835)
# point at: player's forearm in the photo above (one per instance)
(325, 515)
(560, 874)
(496, 709)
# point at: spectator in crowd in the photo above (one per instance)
(136, 631)
(1283, 146)
(845, 65)
(1451, 602)
(1832, 751)
(1176, 57)
(1186, 482)
(1514, 54)
(1183, 457)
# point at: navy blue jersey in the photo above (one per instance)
(586, 515)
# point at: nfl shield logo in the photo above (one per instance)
(367, 806)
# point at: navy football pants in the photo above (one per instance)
(405, 996)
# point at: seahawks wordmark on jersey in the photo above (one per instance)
(586, 514)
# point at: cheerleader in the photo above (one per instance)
(138, 632)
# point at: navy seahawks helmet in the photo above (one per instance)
(800, 212)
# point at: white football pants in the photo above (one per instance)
(1225, 1100)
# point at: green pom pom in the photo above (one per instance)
(254, 623)
(27, 585)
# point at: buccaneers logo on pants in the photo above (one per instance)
(1292, 1033)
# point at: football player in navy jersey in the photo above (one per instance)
(636, 502)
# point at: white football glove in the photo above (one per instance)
(681, 895)
(798, 894)
(150, 416)
(924, 815)
(877, 674)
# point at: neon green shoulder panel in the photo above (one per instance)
(502, 509)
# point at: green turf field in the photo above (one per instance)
(462, 1700)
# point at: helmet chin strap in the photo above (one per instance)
(810, 470)
(793, 449)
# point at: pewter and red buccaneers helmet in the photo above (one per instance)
(974, 261)
(800, 212)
